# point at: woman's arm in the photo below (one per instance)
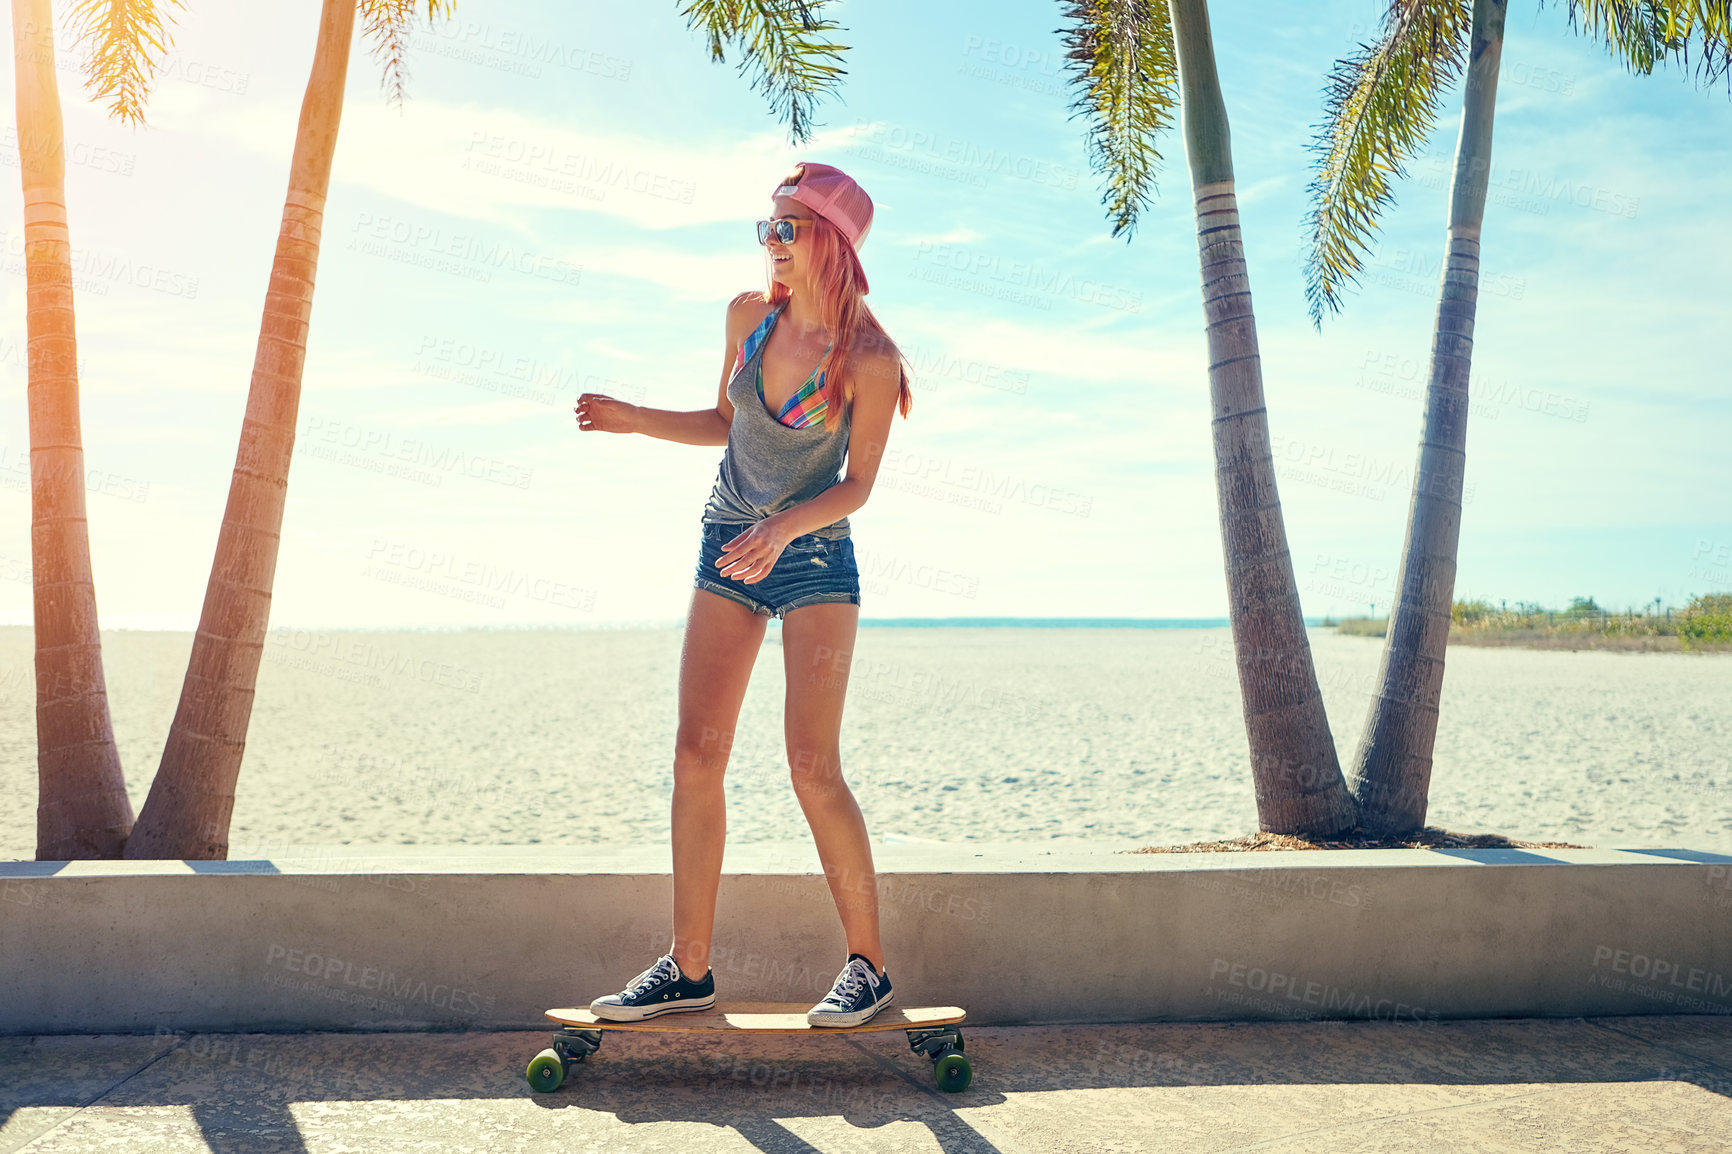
(696, 427)
(598, 412)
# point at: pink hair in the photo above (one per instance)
(843, 308)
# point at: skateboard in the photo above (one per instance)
(933, 1031)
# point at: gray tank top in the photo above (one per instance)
(768, 466)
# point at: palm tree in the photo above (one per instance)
(783, 46)
(1382, 105)
(186, 814)
(1134, 64)
(82, 809)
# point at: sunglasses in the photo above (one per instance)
(783, 228)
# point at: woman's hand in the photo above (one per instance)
(749, 556)
(600, 413)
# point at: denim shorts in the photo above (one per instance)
(811, 570)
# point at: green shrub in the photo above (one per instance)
(1471, 613)
(1707, 618)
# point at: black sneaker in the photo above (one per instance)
(860, 992)
(661, 989)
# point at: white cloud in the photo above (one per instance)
(1139, 356)
(609, 349)
(487, 163)
(962, 234)
(690, 275)
(482, 413)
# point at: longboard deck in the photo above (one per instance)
(763, 1018)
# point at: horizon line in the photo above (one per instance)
(998, 621)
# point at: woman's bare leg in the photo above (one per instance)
(817, 650)
(721, 644)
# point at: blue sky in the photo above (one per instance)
(565, 204)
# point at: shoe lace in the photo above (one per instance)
(849, 982)
(664, 968)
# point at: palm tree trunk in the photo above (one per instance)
(82, 809)
(1392, 768)
(187, 812)
(1293, 762)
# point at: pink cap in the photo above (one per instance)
(833, 195)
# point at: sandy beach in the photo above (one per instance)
(1125, 737)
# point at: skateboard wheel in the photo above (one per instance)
(546, 1072)
(952, 1072)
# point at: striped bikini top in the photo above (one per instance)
(807, 408)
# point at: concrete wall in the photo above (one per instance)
(489, 939)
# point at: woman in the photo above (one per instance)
(808, 374)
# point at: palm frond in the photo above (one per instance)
(1635, 33)
(1120, 57)
(784, 46)
(1380, 105)
(128, 39)
(1644, 33)
(385, 26)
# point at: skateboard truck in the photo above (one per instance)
(571, 1045)
(574, 1045)
(942, 1046)
(930, 1042)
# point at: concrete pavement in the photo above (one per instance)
(1651, 1083)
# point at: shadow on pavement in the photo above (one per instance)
(794, 1095)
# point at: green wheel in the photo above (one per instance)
(546, 1072)
(953, 1073)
